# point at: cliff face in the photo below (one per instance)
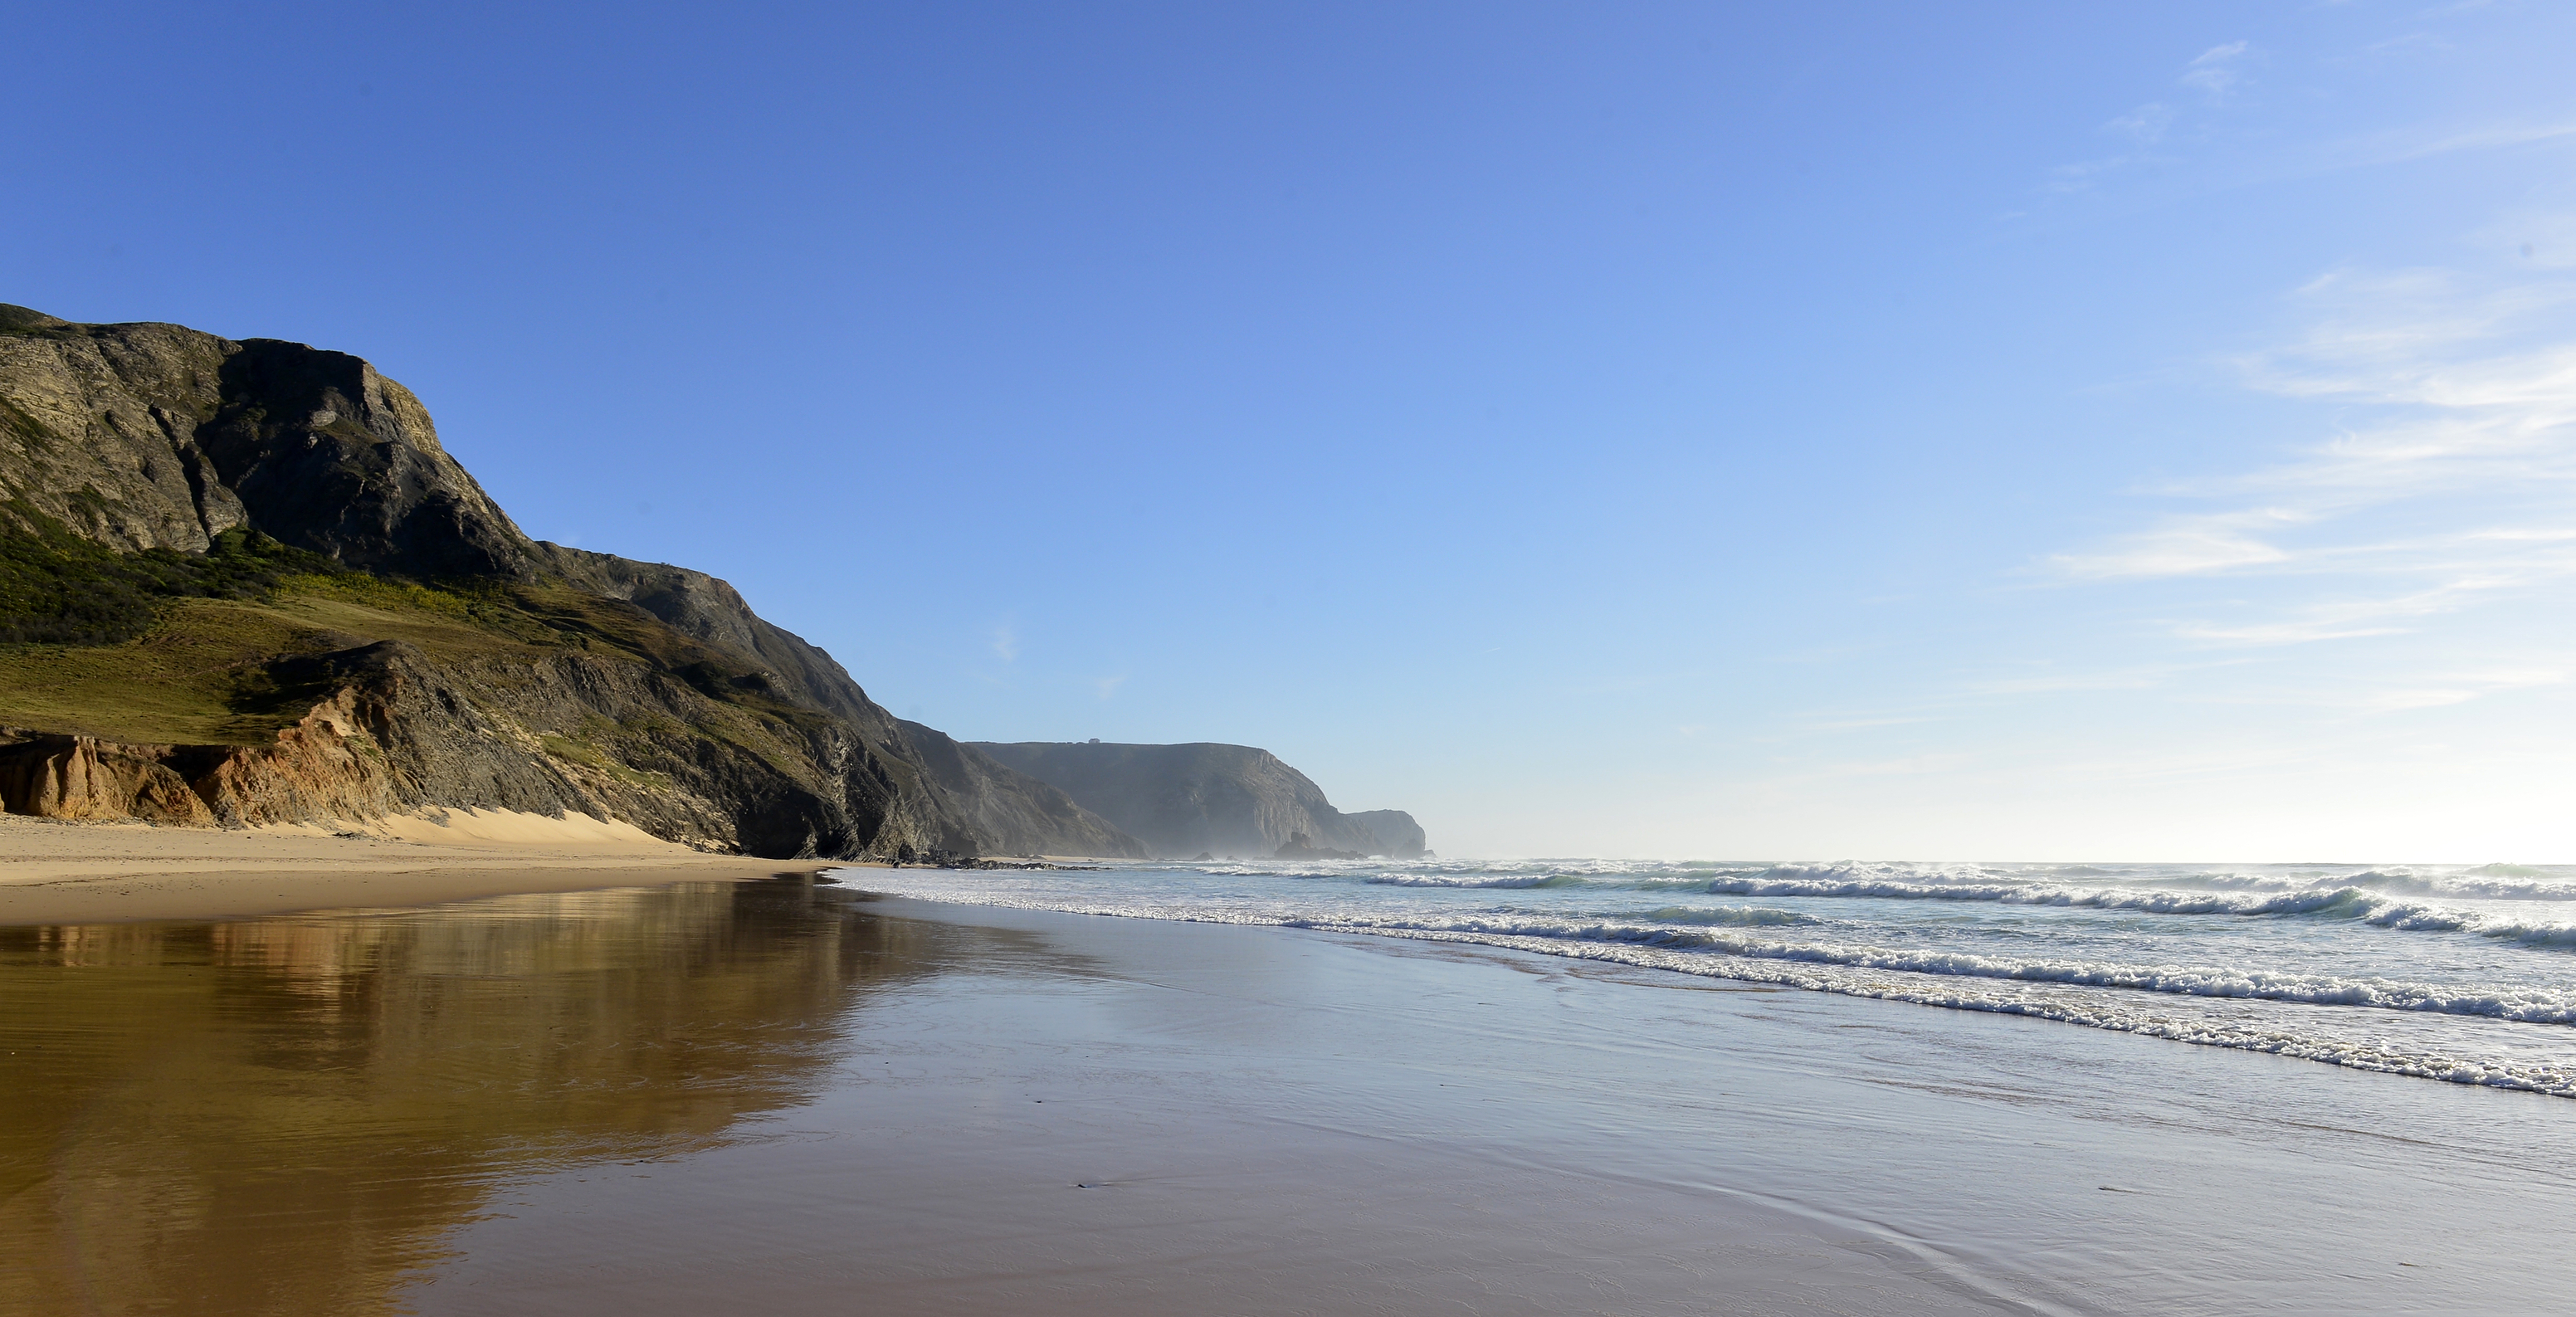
(438, 657)
(1182, 800)
(1395, 830)
(144, 436)
(1018, 814)
(548, 733)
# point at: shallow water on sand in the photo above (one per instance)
(2459, 973)
(783, 1098)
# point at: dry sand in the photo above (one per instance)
(54, 871)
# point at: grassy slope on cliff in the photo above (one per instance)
(56, 586)
(199, 650)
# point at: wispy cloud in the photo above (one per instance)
(2211, 77)
(1006, 643)
(2457, 688)
(1863, 723)
(2452, 480)
(2218, 124)
(2187, 546)
(2144, 125)
(1108, 686)
(1904, 766)
(2218, 71)
(2419, 143)
(2049, 683)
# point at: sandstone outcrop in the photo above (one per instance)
(79, 777)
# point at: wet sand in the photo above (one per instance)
(56, 871)
(772, 1098)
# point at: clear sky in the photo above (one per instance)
(2040, 430)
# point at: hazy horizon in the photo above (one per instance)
(1861, 431)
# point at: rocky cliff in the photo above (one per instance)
(1014, 813)
(1182, 800)
(248, 585)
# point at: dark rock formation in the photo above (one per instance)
(1205, 797)
(147, 435)
(1300, 847)
(625, 690)
(1395, 830)
(1014, 813)
(399, 733)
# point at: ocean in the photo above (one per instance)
(2454, 973)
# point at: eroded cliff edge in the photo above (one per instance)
(242, 582)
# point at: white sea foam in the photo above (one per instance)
(2530, 1006)
(2283, 959)
(2342, 902)
(2553, 1077)
(1734, 915)
(1509, 881)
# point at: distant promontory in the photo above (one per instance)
(1204, 798)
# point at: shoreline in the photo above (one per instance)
(83, 871)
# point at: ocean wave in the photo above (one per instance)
(2472, 885)
(2559, 936)
(2492, 882)
(2523, 1005)
(1731, 915)
(2558, 1080)
(2149, 900)
(2443, 1034)
(2343, 902)
(1552, 880)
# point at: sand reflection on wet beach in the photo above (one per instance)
(290, 1114)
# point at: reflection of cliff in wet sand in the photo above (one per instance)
(286, 1115)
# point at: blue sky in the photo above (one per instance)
(1863, 430)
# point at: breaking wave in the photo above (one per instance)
(2529, 1006)
(2287, 959)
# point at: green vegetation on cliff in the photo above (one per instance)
(58, 587)
(208, 651)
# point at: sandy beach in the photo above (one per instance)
(778, 1097)
(56, 871)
